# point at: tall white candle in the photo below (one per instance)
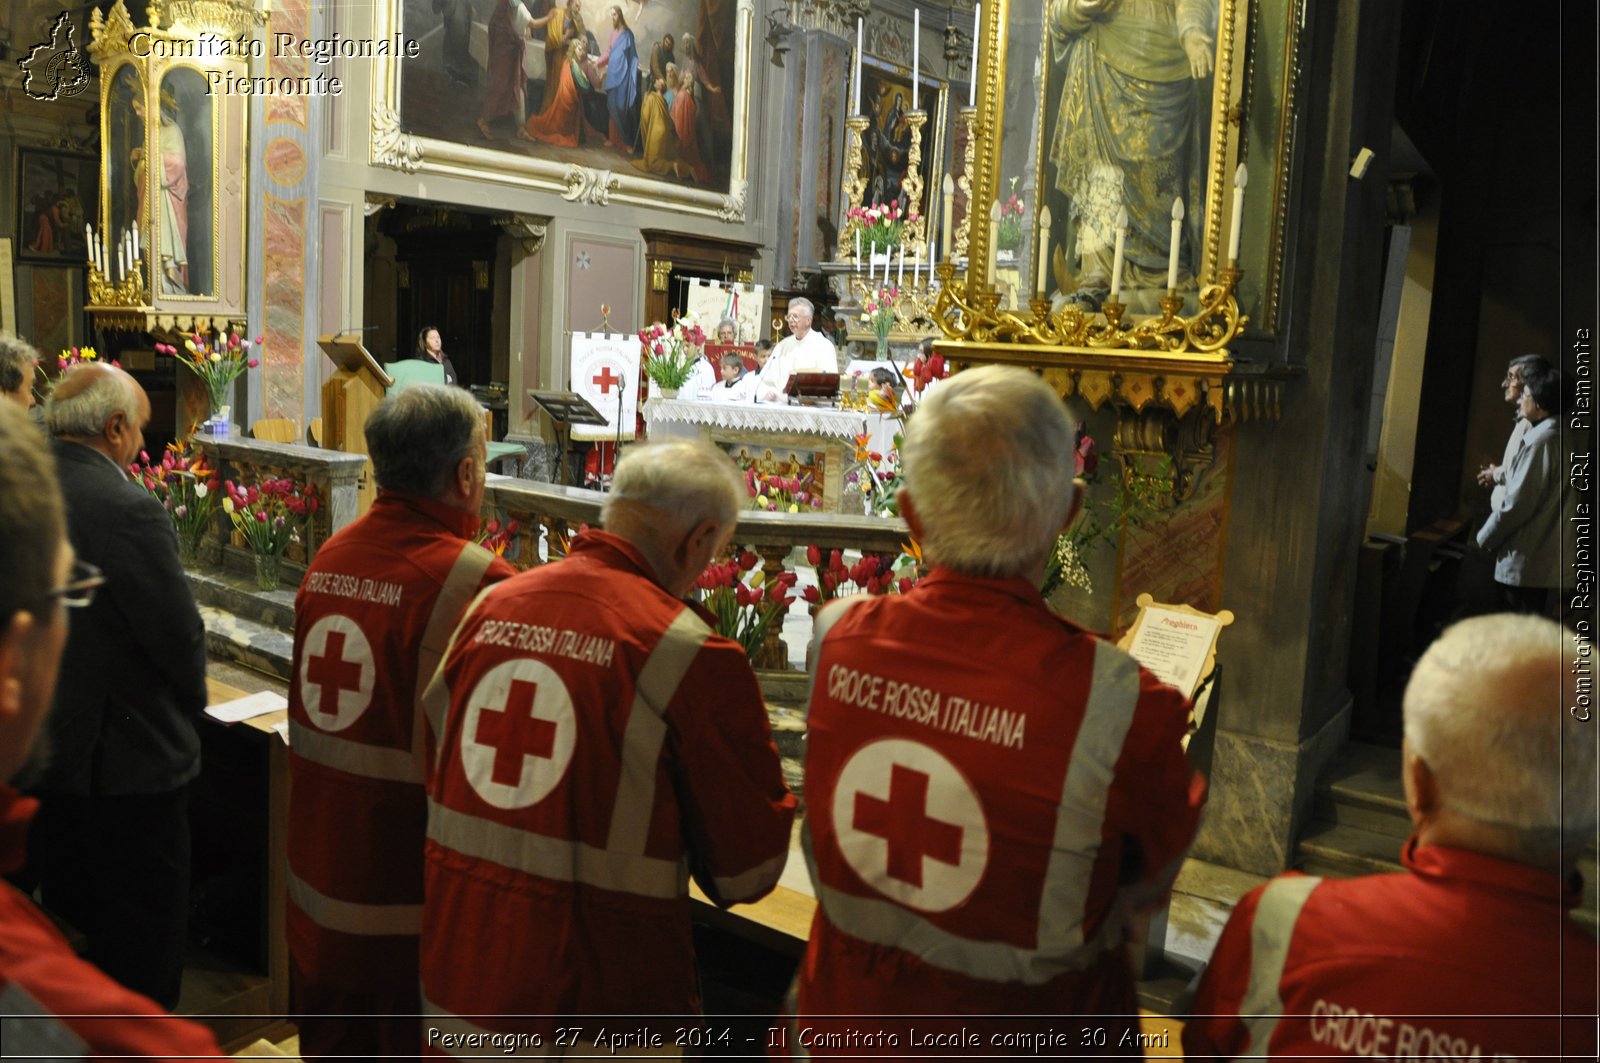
(88, 240)
(855, 100)
(858, 249)
(931, 260)
(122, 260)
(900, 274)
(994, 237)
(1240, 178)
(916, 53)
(1044, 253)
(972, 88)
(1116, 257)
(949, 211)
(136, 244)
(916, 267)
(1177, 237)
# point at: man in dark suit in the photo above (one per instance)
(112, 841)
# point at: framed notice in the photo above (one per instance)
(1177, 643)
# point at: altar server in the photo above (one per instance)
(371, 620)
(55, 1005)
(736, 384)
(982, 824)
(599, 744)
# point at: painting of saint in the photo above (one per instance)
(569, 81)
(1133, 82)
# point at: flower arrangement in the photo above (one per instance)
(669, 354)
(871, 574)
(270, 516)
(217, 360)
(876, 475)
(878, 311)
(1138, 495)
(879, 226)
(743, 601)
(496, 537)
(780, 494)
(187, 489)
(1011, 211)
(72, 357)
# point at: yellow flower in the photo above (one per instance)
(215, 357)
(189, 344)
(794, 507)
(227, 504)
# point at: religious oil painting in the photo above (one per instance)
(57, 195)
(646, 89)
(886, 146)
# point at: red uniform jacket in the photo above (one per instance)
(372, 619)
(40, 979)
(1441, 962)
(988, 787)
(600, 745)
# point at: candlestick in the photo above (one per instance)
(1116, 258)
(1240, 178)
(916, 53)
(855, 100)
(900, 274)
(949, 211)
(1177, 236)
(972, 87)
(1044, 254)
(994, 237)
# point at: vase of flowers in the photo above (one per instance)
(217, 359)
(187, 489)
(880, 227)
(670, 353)
(1009, 234)
(270, 516)
(878, 311)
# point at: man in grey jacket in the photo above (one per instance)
(1524, 526)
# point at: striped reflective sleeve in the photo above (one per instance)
(557, 859)
(444, 1031)
(646, 730)
(459, 590)
(435, 700)
(753, 881)
(348, 917)
(353, 758)
(1277, 912)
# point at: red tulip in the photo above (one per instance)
(813, 555)
(748, 560)
(812, 595)
(905, 584)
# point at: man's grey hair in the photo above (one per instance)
(416, 438)
(17, 357)
(989, 462)
(800, 302)
(1486, 708)
(687, 481)
(86, 412)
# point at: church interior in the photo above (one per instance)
(1285, 383)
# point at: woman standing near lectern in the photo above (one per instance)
(431, 348)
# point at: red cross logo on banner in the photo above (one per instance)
(518, 734)
(606, 379)
(910, 825)
(336, 673)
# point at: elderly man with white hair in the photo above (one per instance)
(992, 790)
(804, 350)
(1471, 951)
(112, 841)
(598, 745)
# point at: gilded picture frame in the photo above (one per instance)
(396, 144)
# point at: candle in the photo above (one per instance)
(972, 87)
(1044, 253)
(900, 275)
(855, 104)
(916, 267)
(994, 236)
(916, 53)
(1177, 237)
(1240, 177)
(122, 260)
(1116, 258)
(931, 260)
(949, 210)
(88, 241)
(858, 249)
(135, 239)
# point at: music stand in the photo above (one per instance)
(565, 409)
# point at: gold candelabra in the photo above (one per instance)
(128, 292)
(915, 232)
(968, 120)
(854, 186)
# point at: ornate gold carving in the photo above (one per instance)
(916, 232)
(392, 146)
(969, 121)
(854, 186)
(129, 292)
(529, 230)
(660, 274)
(746, 276)
(1160, 432)
(109, 34)
(224, 18)
(590, 186)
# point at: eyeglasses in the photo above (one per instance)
(79, 590)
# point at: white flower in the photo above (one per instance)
(200, 490)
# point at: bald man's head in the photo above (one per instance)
(100, 406)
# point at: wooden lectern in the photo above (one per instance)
(349, 396)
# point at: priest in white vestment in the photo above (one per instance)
(802, 351)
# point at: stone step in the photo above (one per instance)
(1340, 851)
(1362, 789)
(250, 643)
(238, 594)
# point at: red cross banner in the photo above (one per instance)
(604, 366)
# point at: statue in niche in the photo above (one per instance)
(171, 208)
(1129, 133)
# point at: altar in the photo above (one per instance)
(813, 443)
